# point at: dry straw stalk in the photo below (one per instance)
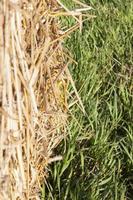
(34, 80)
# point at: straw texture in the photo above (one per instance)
(33, 100)
(34, 79)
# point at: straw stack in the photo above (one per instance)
(34, 80)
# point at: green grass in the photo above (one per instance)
(98, 153)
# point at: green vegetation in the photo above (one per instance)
(98, 153)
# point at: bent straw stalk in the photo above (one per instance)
(34, 80)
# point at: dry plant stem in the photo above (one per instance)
(34, 79)
(21, 164)
(1, 80)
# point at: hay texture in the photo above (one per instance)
(34, 80)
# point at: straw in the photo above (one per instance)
(34, 79)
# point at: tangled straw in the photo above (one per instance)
(34, 80)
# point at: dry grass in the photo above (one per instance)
(34, 80)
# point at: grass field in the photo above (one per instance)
(98, 153)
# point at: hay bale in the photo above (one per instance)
(33, 93)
